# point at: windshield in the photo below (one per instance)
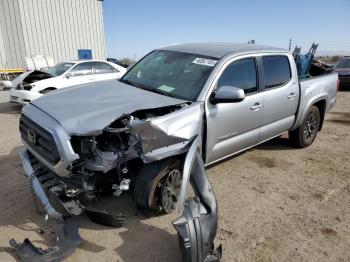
(175, 74)
(343, 63)
(59, 68)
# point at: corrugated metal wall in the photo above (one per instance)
(51, 28)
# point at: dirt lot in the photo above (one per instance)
(276, 203)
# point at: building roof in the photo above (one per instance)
(220, 49)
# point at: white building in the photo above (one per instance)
(61, 29)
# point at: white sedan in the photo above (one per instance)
(33, 84)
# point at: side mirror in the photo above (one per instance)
(68, 75)
(227, 94)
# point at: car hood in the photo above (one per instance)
(31, 77)
(87, 109)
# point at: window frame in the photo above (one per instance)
(102, 62)
(71, 71)
(261, 63)
(257, 72)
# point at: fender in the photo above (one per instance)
(197, 225)
(301, 114)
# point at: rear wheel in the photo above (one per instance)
(306, 133)
(157, 187)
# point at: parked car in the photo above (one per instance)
(179, 108)
(33, 84)
(117, 62)
(343, 70)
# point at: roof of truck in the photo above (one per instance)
(220, 49)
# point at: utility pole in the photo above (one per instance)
(290, 44)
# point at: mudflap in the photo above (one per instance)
(67, 237)
(197, 226)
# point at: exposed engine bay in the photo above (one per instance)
(25, 81)
(147, 152)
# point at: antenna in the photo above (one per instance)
(290, 44)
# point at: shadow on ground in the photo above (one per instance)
(10, 108)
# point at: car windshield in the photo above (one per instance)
(59, 68)
(343, 63)
(176, 74)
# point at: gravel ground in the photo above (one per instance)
(276, 203)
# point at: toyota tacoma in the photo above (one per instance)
(179, 108)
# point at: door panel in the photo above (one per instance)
(80, 74)
(232, 127)
(281, 96)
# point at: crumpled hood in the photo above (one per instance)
(87, 109)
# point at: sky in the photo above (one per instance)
(137, 27)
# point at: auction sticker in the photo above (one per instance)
(204, 61)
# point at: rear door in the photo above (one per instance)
(233, 127)
(82, 73)
(281, 95)
(104, 71)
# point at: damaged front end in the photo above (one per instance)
(69, 172)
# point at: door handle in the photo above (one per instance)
(291, 96)
(256, 107)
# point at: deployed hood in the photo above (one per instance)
(30, 77)
(87, 109)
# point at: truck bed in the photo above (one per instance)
(314, 89)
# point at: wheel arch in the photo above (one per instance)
(321, 105)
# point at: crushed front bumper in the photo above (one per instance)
(37, 188)
(66, 227)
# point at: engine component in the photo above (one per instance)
(124, 186)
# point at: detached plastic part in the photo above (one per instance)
(115, 219)
(68, 240)
(197, 225)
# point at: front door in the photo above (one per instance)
(232, 127)
(80, 74)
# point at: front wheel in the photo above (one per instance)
(306, 133)
(157, 187)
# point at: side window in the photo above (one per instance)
(241, 74)
(104, 68)
(276, 70)
(82, 69)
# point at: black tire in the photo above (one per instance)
(306, 133)
(150, 189)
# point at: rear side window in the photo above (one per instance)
(82, 69)
(104, 68)
(276, 71)
(241, 74)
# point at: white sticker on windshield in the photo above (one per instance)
(204, 61)
(166, 88)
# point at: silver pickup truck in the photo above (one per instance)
(219, 98)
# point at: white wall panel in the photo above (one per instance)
(56, 28)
